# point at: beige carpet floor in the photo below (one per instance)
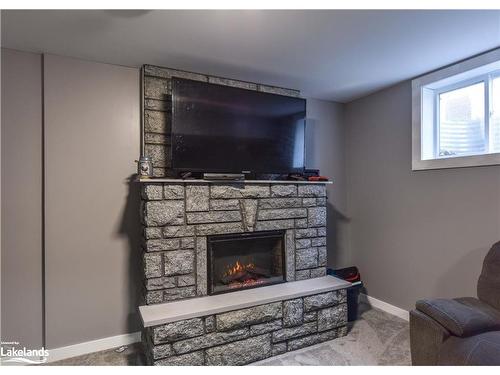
(376, 338)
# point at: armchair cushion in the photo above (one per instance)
(462, 317)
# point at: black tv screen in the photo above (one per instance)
(222, 129)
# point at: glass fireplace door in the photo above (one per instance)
(245, 260)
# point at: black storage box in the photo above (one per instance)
(352, 275)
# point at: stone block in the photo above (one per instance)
(293, 312)
(241, 352)
(302, 243)
(152, 233)
(306, 258)
(318, 272)
(249, 210)
(249, 316)
(157, 88)
(224, 204)
(190, 359)
(232, 83)
(316, 217)
(186, 280)
(179, 262)
(158, 283)
(305, 233)
(269, 203)
(187, 243)
(322, 231)
(290, 255)
(208, 340)
(260, 329)
(274, 225)
(302, 275)
(284, 213)
(219, 228)
(183, 329)
(157, 105)
(178, 231)
(153, 297)
(239, 191)
(162, 351)
(159, 213)
(322, 256)
(283, 190)
(310, 316)
(278, 348)
(157, 122)
(323, 300)
(152, 265)
(290, 333)
(332, 317)
(201, 266)
(308, 202)
(210, 324)
(212, 217)
(162, 244)
(167, 73)
(312, 339)
(197, 198)
(159, 172)
(158, 153)
(307, 190)
(318, 241)
(279, 91)
(173, 191)
(300, 223)
(321, 201)
(152, 191)
(178, 293)
(157, 139)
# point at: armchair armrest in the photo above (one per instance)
(458, 318)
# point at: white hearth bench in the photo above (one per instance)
(245, 326)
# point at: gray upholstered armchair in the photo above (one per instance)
(460, 331)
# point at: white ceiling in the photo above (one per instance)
(334, 55)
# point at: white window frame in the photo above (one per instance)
(425, 111)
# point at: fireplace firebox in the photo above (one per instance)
(245, 260)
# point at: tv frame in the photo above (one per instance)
(176, 170)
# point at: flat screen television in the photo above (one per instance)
(222, 129)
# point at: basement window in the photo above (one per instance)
(456, 115)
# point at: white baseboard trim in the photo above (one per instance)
(384, 306)
(93, 346)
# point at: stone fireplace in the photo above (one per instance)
(235, 272)
(245, 260)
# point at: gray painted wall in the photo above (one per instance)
(413, 234)
(21, 261)
(325, 150)
(92, 136)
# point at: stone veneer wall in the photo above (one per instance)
(178, 217)
(248, 335)
(158, 105)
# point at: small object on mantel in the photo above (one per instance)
(297, 177)
(317, 178)
(145, 167)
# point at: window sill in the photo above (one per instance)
(456, 162)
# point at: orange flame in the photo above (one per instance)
(238, 267)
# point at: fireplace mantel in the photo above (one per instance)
(226, 182)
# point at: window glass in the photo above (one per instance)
(461, 128)
(495, 115)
